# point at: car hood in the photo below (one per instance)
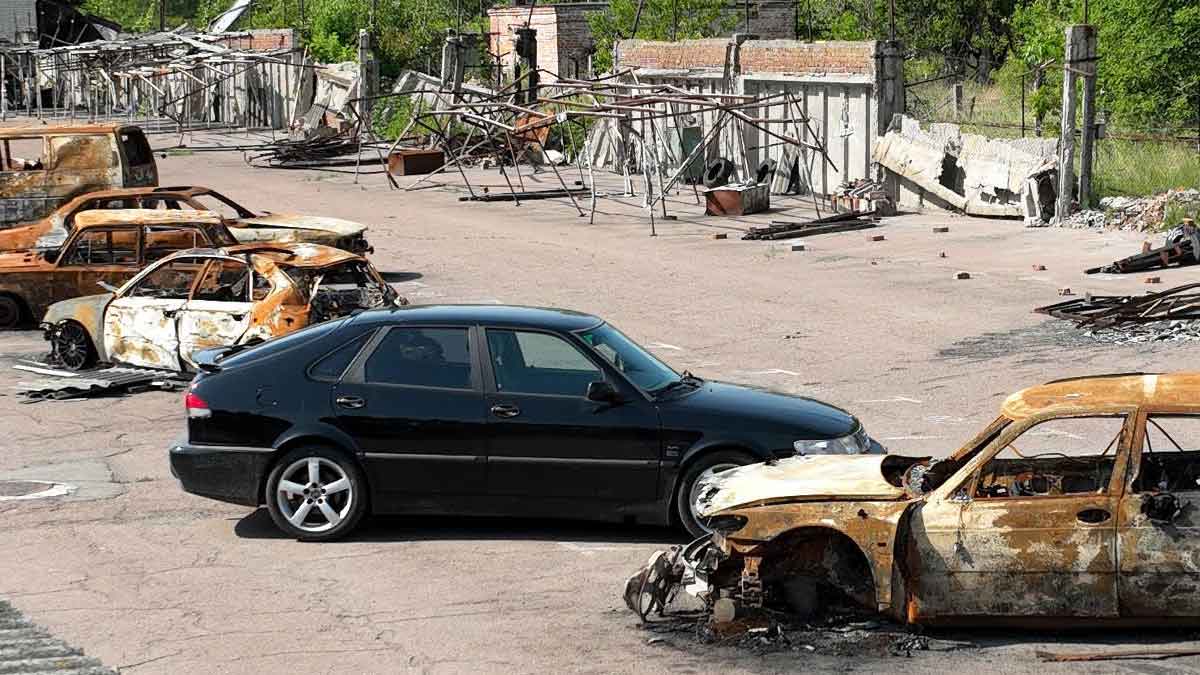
(21, 260)
(801, 478)
(722, 402)
(334, 226)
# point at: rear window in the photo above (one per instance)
(279, 345)
(137, 150)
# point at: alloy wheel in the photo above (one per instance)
(694, 495)
(72, 346)
(314, 494)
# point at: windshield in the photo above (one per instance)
(628, 357)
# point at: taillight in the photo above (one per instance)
(196, 406)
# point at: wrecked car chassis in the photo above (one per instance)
(959, 540)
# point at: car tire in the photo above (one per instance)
(715, 462)
(316, 493)
(11, 312)
(72, 346)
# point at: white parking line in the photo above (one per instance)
(588, 549)
(663, 345)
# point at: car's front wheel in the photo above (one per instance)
(688, 494)
(316, 494)
(72, 347)
(10, 312)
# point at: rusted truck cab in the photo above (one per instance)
(1079, 503)
(107, 246)
(42, 167)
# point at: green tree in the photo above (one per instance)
(661, 20)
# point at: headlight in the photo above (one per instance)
(855, 444)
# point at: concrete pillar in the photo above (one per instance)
(1075, 49)
(1087, 68)
(368, 76)
(526, 61)
(889, 101)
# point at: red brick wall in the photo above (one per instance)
(266, 39)
(682, 55)
(790, 56)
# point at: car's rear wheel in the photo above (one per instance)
(316, 494)
(10, 312)
(72, 346)
(688, 494)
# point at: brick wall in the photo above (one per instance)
(769, 19)
(816, 58)
(564, 38)
(264, 39)
(17, 15)
(683, 55)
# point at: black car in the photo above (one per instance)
(486, 410)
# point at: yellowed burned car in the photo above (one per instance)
(1081, 502)
(219, 297)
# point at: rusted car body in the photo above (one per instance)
(213, 297)
(247, 227)
(1002, 531)
(107, 247)
(44, 166)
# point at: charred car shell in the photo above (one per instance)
(973, 538)
(247, 227)
(199, 299)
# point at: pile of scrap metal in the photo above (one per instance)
(980, 176)
(1170, 314)
(1182, 248)
(838, 222)
(60, 385)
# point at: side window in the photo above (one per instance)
(261, 289)
(539, 363)
(218, 206)
(137, 150)
(421, 357)
(1170, 459)
(104, 247)
(93, 152)
(24, 154)
(171, 281)
(334, 365)
(1064, 456)
(162, 241)
(224, 281)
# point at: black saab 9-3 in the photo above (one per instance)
(480, 410)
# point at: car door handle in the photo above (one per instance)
(1093, 516)
(505, 410)
(351, 402)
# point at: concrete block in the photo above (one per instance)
(962, 275)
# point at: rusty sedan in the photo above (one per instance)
(215, 297)
(1078, 502)
(247, 227)
(107, 248)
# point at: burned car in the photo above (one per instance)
(42, 167)
(1080, 501)
(247, 227)
(107, 248)
(213, 297)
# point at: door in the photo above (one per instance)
(1032, 532)
(23, 164)
(95, 255)
(141, 325)
(414, 406)
(219, 311)
(1159, 522)
(546, 439)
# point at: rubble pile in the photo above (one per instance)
(1140, 214)
(1159, 331)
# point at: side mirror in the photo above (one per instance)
(602, 392)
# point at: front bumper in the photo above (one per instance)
(226, 473)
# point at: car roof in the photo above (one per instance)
(117, 193)
(102, 217)
(512, 316)
(284, 255)
(1106, 393)
(61, 129)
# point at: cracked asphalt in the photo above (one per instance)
(148, 579)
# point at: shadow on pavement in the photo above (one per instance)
(399, 277)
(258, 525)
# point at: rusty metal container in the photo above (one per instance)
(737, 200)
(411, 161)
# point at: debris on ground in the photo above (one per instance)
(59, 385)
(791, 229)
(1170, 315)
(1181, 247)
(1155, 654)
(26, 648)
(1141, 214)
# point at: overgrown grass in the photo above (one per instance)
(1122, 167)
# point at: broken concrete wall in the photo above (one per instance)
(942, 167)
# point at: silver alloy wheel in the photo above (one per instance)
(694, 495)
(314, 494)
(71, 344)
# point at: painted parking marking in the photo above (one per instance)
(663, 345)
(588, 549)
(894, 399)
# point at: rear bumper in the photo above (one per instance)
(222, 472)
